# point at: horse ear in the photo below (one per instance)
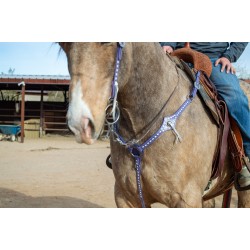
(64, 45)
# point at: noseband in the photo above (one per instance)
(133, 146)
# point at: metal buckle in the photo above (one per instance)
(197, 85)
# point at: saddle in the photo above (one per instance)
(200, 61)
(229, 136)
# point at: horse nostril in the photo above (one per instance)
(92, 126)
(85, 122)
(87, 125)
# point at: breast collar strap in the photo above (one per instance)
(169, 122)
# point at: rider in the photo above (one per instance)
(222, 55)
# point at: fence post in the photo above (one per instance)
(22, 110)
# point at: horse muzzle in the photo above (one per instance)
(84, 131)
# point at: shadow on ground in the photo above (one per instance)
(13, 199)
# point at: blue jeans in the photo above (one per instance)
(228, 88)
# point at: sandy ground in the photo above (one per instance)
(55, 171)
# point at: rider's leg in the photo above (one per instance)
(228, 88)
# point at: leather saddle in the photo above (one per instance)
(200, 61)
(229, 136)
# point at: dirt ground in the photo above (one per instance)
(56, 172)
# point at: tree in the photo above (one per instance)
(242, 72)
(11, 71)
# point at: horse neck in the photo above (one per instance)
(153, 78)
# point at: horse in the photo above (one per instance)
(146, 86)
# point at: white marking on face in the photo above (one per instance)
(77, 109)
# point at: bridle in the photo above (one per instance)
(112, 109)
(134, 146)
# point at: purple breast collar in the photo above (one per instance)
(169, 123)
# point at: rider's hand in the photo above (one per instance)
(167, 49)
(225, 64)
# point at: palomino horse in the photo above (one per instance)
(152, 162)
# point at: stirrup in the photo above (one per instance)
(246, 162)
(243, 174)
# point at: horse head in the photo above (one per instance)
(91, 67)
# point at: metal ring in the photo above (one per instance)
(109, 116)
(135, 151)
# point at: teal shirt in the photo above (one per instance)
(231, 51)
